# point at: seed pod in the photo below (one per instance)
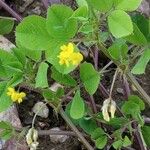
(112, 108)
(31, 139)
(105, 108)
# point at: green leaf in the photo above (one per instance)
(118, 50)
(59, 23)
(136, 37)
(87, 28)
(127, 5)
(67, 111)
(77, 109)
(31, 33)
(49, 95)
(19, 54)
(101, 5)
(60, 92)
(140, 66)
(5, 101)
(88, 125)
(34, 55)
(117, 123)
(120, 24)
(146, 134)
(97, 133)
(65, 79)
(117, 134)
(53, 98)
(130, 108)
(82, 3)
(144, 26)
(104, 36)
(117, 144)
(126, 142)
(6, 25)
(101, 142)
(133, 107)
(6, 130)
(137, 100)
(90, 77)
(9, 64)
(81, 13)
(3, 86)
(16, 79)
(41, 77)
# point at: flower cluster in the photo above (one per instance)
(67, 55)
(15, 96)
(109, 106)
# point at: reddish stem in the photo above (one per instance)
(10, 10)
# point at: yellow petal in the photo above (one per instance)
(14, 97)
(70, 46)
(19, 100)
(22, 94)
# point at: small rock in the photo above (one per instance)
(5, 44)
(58, 138)
(41, 109)
(120, 91)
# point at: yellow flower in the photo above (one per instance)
(67, 55)
(15, 96)
(76, 58)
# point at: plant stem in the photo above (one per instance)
(113, 82)
(104, 91)
(33, 121)
(10, 10)
(138, 137)
(93, 104)
(51, 132)
(73, 127)
(105, 67)
(138, 87)
(96, 58)
(126, 87)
